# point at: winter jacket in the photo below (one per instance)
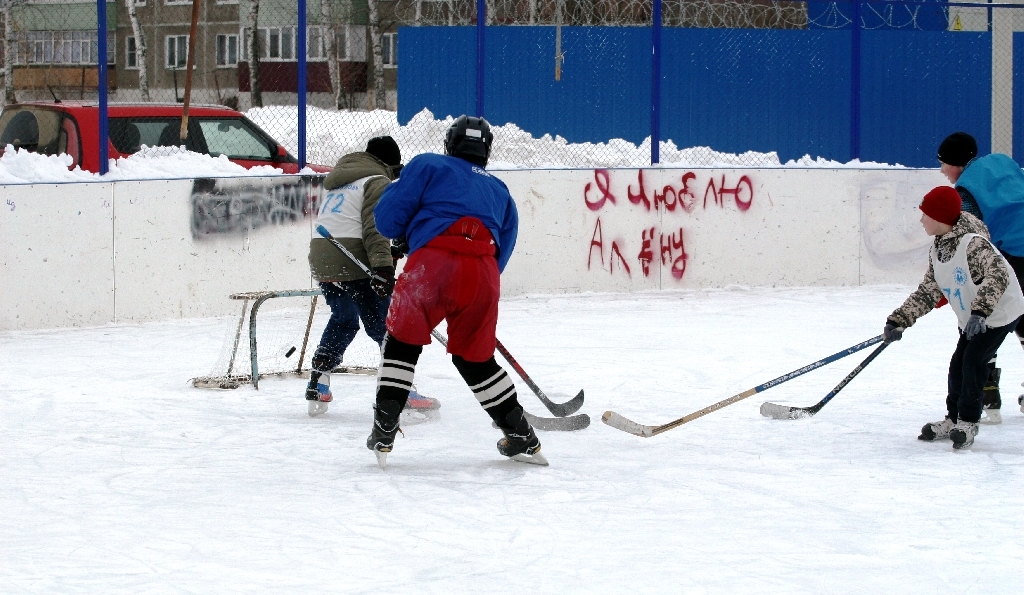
(436, 191)
(995, 185)
(326, 262)
(987, 268)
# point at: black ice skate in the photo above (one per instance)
(385, 427)
(963, 434)
(991, 402)
(520, 442)
(936, 431)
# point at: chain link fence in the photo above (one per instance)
(763, 62)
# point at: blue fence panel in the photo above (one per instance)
(1018, 99)
(917, 87)
(737, 90)
(438, 71)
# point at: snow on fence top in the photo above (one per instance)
(336, 133)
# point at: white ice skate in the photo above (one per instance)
(318, 398)
(963, 434)
(419, 409)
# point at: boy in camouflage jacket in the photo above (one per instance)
(966, 269)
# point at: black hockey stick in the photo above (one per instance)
(560, 410)
(550, 424)
(626, 425)
(785, 412)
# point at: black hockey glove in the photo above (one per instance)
(399, 250)
(384, 282)
(891, 332)
(975, 324)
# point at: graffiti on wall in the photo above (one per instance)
(240, 205)
(658, 241)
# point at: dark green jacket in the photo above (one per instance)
(326, 262)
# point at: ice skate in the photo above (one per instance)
(318, 393)
(385, 427)
(520, 442)
(963, 434)
(991, 401)
(936, 431)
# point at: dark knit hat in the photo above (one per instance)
(958, 149)
(384, 148)
(942, 204)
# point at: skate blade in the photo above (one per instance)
(534, 459)
(382, 458)
(991, 417)
(316, 408)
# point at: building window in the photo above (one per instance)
(278, 44)
(227, 50)
(177, 51)
(389, 49)
(62, 47)
(131, 55)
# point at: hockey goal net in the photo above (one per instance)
(278, 339)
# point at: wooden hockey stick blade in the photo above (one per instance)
(785, 412)
(627, 425)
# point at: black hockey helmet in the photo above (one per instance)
(469, 137)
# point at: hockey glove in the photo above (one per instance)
(891, 332)
(384, 282)
(975, 324)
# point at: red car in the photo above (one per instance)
(74, 128)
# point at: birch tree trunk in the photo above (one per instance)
(9, 53)
(255, 91)
(331, 50)
(377, 99)
(140, 50)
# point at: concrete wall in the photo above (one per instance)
(90, 254)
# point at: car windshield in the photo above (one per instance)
(32, 129)
(129, 134)
(234, 138)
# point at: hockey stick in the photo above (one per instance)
(320, 229)
(785, 412)
(548, 424)
(621, 423)
(559, 410)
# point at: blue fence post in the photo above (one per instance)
(101, 62)
(300, 41)
(855, 82)
(481, 19)
(656, 83)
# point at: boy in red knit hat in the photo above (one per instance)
(966, 269)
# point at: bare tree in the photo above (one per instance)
(377, 99)
(331, 50)
(9, 52)
(255, 91)
(140, 49)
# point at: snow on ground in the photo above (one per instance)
(116, 476)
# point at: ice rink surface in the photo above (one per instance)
(116, 476)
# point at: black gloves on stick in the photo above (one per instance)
(384, 282)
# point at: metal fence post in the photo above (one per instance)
(855, 82)
(101, 62)
(656, 83)
(481, 20)
(300, 41)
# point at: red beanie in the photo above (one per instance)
(942, 204)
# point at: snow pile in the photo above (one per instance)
(331, 134)
(18, 166)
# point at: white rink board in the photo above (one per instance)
(93, 253)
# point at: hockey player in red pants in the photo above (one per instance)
(460, 223)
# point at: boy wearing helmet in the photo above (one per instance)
(460, 223)
(966, 269)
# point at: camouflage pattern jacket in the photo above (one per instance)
(326, 262)
(988, 271)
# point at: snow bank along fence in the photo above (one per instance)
(94, 253)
